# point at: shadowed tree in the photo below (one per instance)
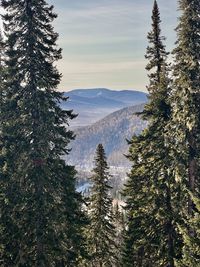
(186, 124)
(101, 232)
(151, 190)
(41, 212)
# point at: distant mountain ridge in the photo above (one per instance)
(94, 104)
(112, 131)
(122, 95)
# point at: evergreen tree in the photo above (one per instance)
(1, 51)
(101, 232)
(2, 70)
(40, 211)
(185, 98)
(191, 248)
(186, 122)
(151, 238)
(119, 222)
(1, 102)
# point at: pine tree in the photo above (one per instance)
(2, 70)
(151, 238)
(101, 232)
(40, 211)
(185, 99)
(1, 51)
(185, 124)
(191, 248)
(119, 223)
(2, 67)
(1, 103)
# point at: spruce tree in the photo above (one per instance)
(40, 211)
(1, 51)
(119, 223)
(191, 248)
(151, 190)
(1, 102)
(186, 124)
(185, 98)
(2, 71)
(101, 232)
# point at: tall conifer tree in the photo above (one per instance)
(186, 96)
(1, 73)
(186, 93)
(2, 69)
(151, 236)
(1, 50)
(119, 223)
(1, 102)
(191, 239)
(41, 213)
(101, 233)
(186, 125)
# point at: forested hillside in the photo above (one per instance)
(91, 105)
(113, 132)
(153, 218)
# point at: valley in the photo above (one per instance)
(107, 117)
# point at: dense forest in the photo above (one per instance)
(44, 221)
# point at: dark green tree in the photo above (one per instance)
(101, 232)
(186, 122)
(151, 190)
(186, 94)
(40, 211)
(2, 68)
(191, 237)
(119, 223)
(1, 51)
(1, 102)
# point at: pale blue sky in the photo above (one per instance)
(104, 41)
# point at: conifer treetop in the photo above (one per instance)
(101, 234)
(156, 52)
(40, 186)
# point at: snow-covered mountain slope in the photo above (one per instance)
(112, 132)
(94, 104)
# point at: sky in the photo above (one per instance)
(104, 41)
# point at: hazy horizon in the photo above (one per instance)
(104, 42)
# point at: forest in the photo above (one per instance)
(44, 220)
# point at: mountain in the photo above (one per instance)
(94, 104)
(112, 132)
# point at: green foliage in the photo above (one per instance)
(2, 71)
(120, 124)
(1, 102)
(186, 126)
(41, 214)
(42, 220)
(1, 51)
(119, 222)
(101, 232)
(185, 97)
(151, 190)
(191, 238)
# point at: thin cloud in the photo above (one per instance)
(99, 67)
(105, 40)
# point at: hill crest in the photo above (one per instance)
(94, 104)
(112, 131)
